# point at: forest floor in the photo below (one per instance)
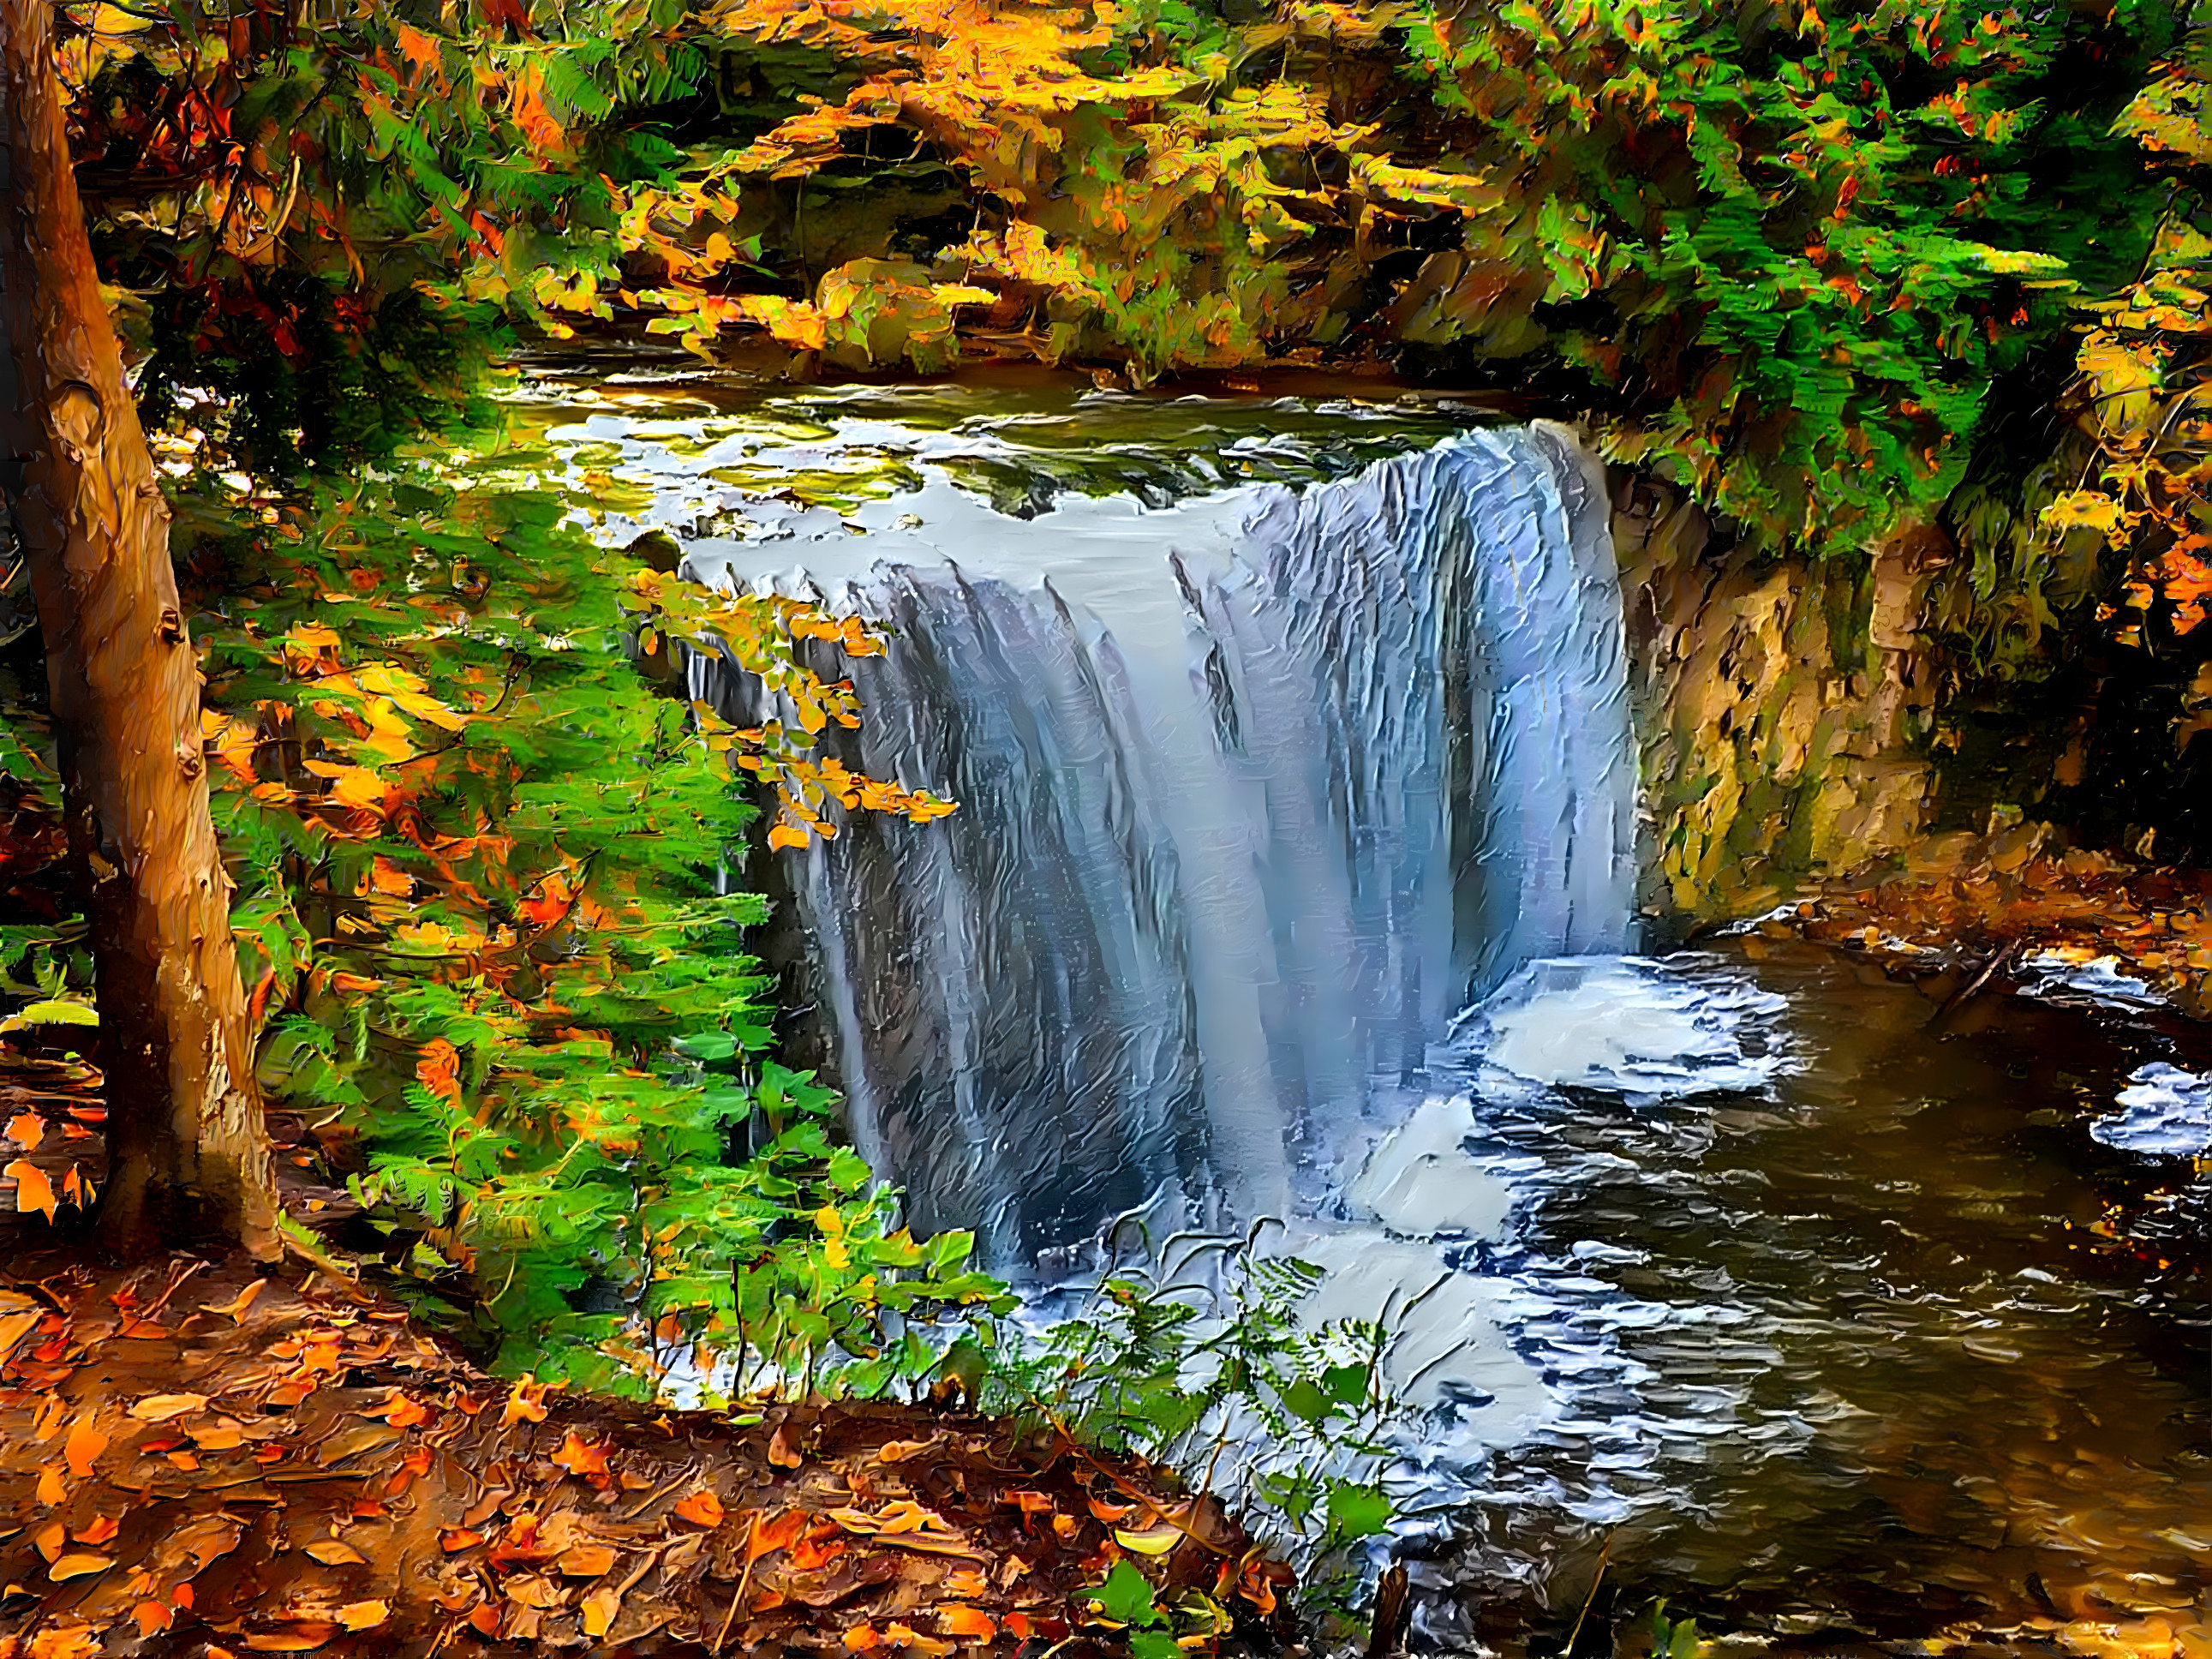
(212, 1457)
(2020, 909)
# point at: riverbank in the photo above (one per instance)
(2021, 908)
(207, 1457)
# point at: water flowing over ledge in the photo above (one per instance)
(1256, 793)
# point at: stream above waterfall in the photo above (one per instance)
(1751, 1277)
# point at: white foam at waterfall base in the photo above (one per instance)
(2073, 974)
(1635, 1027)
(1497, 1342)
(2168, 1112)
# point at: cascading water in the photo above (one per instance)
(1255, 794)
(1731, 1279)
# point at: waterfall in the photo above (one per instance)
(1255, 794)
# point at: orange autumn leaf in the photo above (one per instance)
(551, 903)
(66, 1642)
(84, 1444)
(402, 1410)
(459, 1538)
(78, 1564)
(810, 1554)
(238, 1304)
(915, 1642)
(161, 1408)
(33, 1190)
(958, 1620)
(786, 1531)
(702, 1508)
(862, 1637)
(439, 1071)
(98, 1530)
(299, 1639)
(364, 1615)
(579, 1458)
(27, 1130)
(525, 1404)
(780, 1452)
(152, 1618)
(585, 1560)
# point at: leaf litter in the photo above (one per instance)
(213, 1459)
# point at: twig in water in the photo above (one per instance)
(1959, 997)
(1590, 1600)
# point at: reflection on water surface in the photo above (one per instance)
(1902, 1346)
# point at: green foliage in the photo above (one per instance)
(325, 215)
(1812, 235)
(478, 905)
(1781, 254)
(1672, 1639)
(1159, 1362)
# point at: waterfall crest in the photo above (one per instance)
(1253, 798)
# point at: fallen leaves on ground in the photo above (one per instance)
(202, 1458)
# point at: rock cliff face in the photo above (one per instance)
(1785, 706)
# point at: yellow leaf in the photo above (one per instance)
(1158, 1541)
(357, 786)
(364, 1615)
(335, 1552)
(161, 1408)
(407, 691)
(585, 1560)
(600, 1609)
(54, 1011)
(68, 1642)
(2085, 509)
(78, 1564)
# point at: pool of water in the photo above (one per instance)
(1886, 1346)
(1761, 1280)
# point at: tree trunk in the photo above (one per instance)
(188, 1156)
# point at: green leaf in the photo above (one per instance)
(1126, 1597)
(51, 1012)
(1306, 1401)
(1359, 1512)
